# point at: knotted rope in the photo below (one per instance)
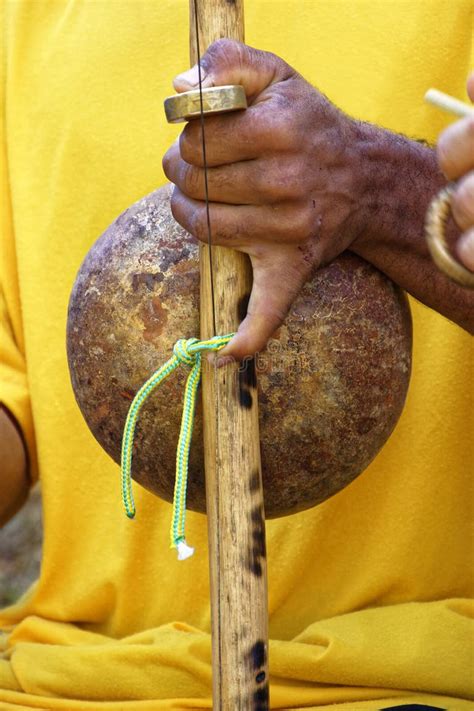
(185, 352)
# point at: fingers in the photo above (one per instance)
(243, 227)
(280, 266)
(268, 304)
(229, 138)
(465, 249)
(456, 148)
(230, 62)
(239, 136)
(233, 184)
(277, 279)
(455, 151)
(462, 204)
(264, 181)
(227, 184)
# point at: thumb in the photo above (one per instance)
(274, 289)
(230, 62)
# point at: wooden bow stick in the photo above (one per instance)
(236, 521)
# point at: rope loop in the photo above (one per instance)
(185, 352)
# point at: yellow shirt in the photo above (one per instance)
(369, 593)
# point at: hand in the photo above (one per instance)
(283, 180)
(455, 152)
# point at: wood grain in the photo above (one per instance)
(236, 520)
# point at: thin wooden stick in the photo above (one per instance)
(448, 103)
(236, 522)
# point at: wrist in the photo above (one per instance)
(398, 178)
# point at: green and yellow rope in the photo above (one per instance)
(185, 352)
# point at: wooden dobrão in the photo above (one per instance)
(332, 382)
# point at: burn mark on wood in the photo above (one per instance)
(258, 659)
(247, 382)
(254, 481)
(258, 654)
(257, 552)
(261, 699)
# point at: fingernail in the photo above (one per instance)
(191, 77)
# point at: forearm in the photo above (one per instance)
(399, 179)
(14, 483)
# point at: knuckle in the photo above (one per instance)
(166, 164)
(221, 233)
(234, 53)
(198, 225)
(263, 183)
(303, 224)
(283, 129)
(221, 178)
(280, 182)
(189, 146)
(284, 69)
(289, 136)
(294, 179)
(190, 180)
(184, 146)
(175, 205)
(226, 46)
(170, 162)
(222, 52)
